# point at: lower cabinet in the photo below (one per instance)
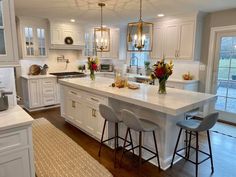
(16, 148)
(40, 93)
(82, 110)
(15, 164)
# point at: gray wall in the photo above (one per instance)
(215, 19)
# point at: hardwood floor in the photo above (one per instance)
(224, 153)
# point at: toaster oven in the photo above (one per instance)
(106, 67)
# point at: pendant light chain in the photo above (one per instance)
(141, 8)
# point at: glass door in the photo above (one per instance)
(225, 77)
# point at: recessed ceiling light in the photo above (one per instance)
(160, 15)
(72, 20)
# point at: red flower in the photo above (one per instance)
(160, 72)
(94, 67)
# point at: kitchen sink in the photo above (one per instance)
(68, 74)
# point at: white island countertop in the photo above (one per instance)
(175, 102)
(14, 117)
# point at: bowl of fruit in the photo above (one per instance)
(187, 76)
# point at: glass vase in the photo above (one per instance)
(162, 86)
(92, 75)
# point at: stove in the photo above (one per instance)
(62, 75)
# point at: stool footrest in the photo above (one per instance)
(184, 148)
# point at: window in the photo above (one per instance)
(138, 58)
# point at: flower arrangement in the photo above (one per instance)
(162, 71)
(93, 66)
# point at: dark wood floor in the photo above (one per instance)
(224, 151)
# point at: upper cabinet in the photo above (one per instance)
(66, 35)
(113, 53)
(8, 38)
(178, 39)
(33, 36)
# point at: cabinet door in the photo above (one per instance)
(171, 41)
(91, 120)
(158, 38)
(6, 43)
(100, 124)
(79, 117)
(15, 164)
(71, 109)
(56, 35)
(186, 41)
(35, 93)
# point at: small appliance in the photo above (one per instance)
(106, 68)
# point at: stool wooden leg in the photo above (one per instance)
(126, 135)
(131, 141)
(197, 148)
(176, 146)
(157, 154)
(101, 143)
(140, 149)
(189, 145)
(209, 143)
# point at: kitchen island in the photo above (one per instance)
(80, 98)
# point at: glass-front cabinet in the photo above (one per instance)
(34, 42)
(33, 35)
(7, 53)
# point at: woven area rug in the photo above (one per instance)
(57, 155)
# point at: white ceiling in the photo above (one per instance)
(116, 10)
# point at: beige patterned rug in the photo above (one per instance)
(57, 155)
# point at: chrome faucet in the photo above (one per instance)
(135, 57)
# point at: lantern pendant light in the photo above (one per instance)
(140, 34)
(102, 35)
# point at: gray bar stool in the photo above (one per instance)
(196, 126)
(139, 125)
(110, 116)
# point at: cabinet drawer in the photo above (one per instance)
(13, 140)
(95, 100)
(74, 94)
(49, 101)
(48, 81)
(48, 91)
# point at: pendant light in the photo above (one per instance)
(139, 35)
(102, 35)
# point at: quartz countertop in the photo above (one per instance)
(38, 76)
(175, 102)
(14, 117)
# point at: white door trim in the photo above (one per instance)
(211, 53)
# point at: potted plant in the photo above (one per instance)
(148, 69)
(92, 66)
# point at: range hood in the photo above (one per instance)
(66, 36)
(66, 47)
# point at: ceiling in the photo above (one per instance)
(117, 11)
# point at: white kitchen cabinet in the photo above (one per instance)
(158, 43)
(81, 109)
(178, 39)
(8, 38)
(16, 149)
(171, 41)
(33, 36)
(39, 93)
